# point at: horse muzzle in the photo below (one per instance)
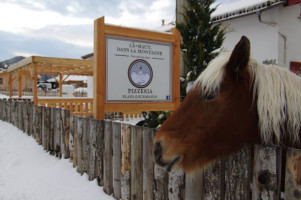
(158, 157)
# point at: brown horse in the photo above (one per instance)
(234, 102)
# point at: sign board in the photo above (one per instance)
(135, 70)
(138, 70)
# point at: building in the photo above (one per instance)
(273, 27)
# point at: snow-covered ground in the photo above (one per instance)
(27, 172)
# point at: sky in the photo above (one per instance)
(64, 28)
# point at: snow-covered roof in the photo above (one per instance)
(242, 7)
(71, 78)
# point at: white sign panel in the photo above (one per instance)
(138, 70)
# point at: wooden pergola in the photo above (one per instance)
(35, 65)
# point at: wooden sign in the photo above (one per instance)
(135, 70)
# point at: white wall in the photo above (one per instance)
(266, 40)
(263, 38)
(290, 26)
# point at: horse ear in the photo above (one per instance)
(240, 57)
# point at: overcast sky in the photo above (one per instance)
(64, 28)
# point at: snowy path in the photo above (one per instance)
(27, 172)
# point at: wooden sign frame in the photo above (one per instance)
(101, 30)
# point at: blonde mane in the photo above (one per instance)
(278, 94)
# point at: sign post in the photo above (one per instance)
(135, 70)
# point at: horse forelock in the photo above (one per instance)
(277, 92)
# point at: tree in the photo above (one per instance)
(201, 38)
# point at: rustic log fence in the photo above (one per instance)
(119, 157)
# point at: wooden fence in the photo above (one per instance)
(119, 156)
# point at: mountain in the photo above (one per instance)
(6, 63)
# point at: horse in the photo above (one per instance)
(235, 101)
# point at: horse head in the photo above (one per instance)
(217, 117)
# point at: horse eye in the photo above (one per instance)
(208, 97)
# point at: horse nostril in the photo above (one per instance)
(158, 150)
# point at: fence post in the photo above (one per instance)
(85, 145)
(238, 175)
(9, 111)
(148, 163)
(66, 128)
(30, 115)
(47, 128)
(267, 172)
(21, 115)
(75, 148)
(1, 109)
(161, 183)
(292, 174)
(71, 136)
(99, 148)
(193, 186)
(37, 123)
(136, 163)
(92, 153)
(79, 146)
(213, 181)
(108, 173)
(125, 161)
(116, 159)
(176, 185)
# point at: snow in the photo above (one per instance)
(29, 173)
(239, 5)
(70, 78)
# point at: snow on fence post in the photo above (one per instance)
(107, 158)
(116, 128)
(136, 163)
(125, 161)
(148, 163)
(267, 172)
(99, 148)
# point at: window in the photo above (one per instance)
(296, 67)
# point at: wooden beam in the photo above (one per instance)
(176, 68)
(66, 78)
(20, 82)
(35, 84)
(99, 68)
(10, 84)
(61, 84)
